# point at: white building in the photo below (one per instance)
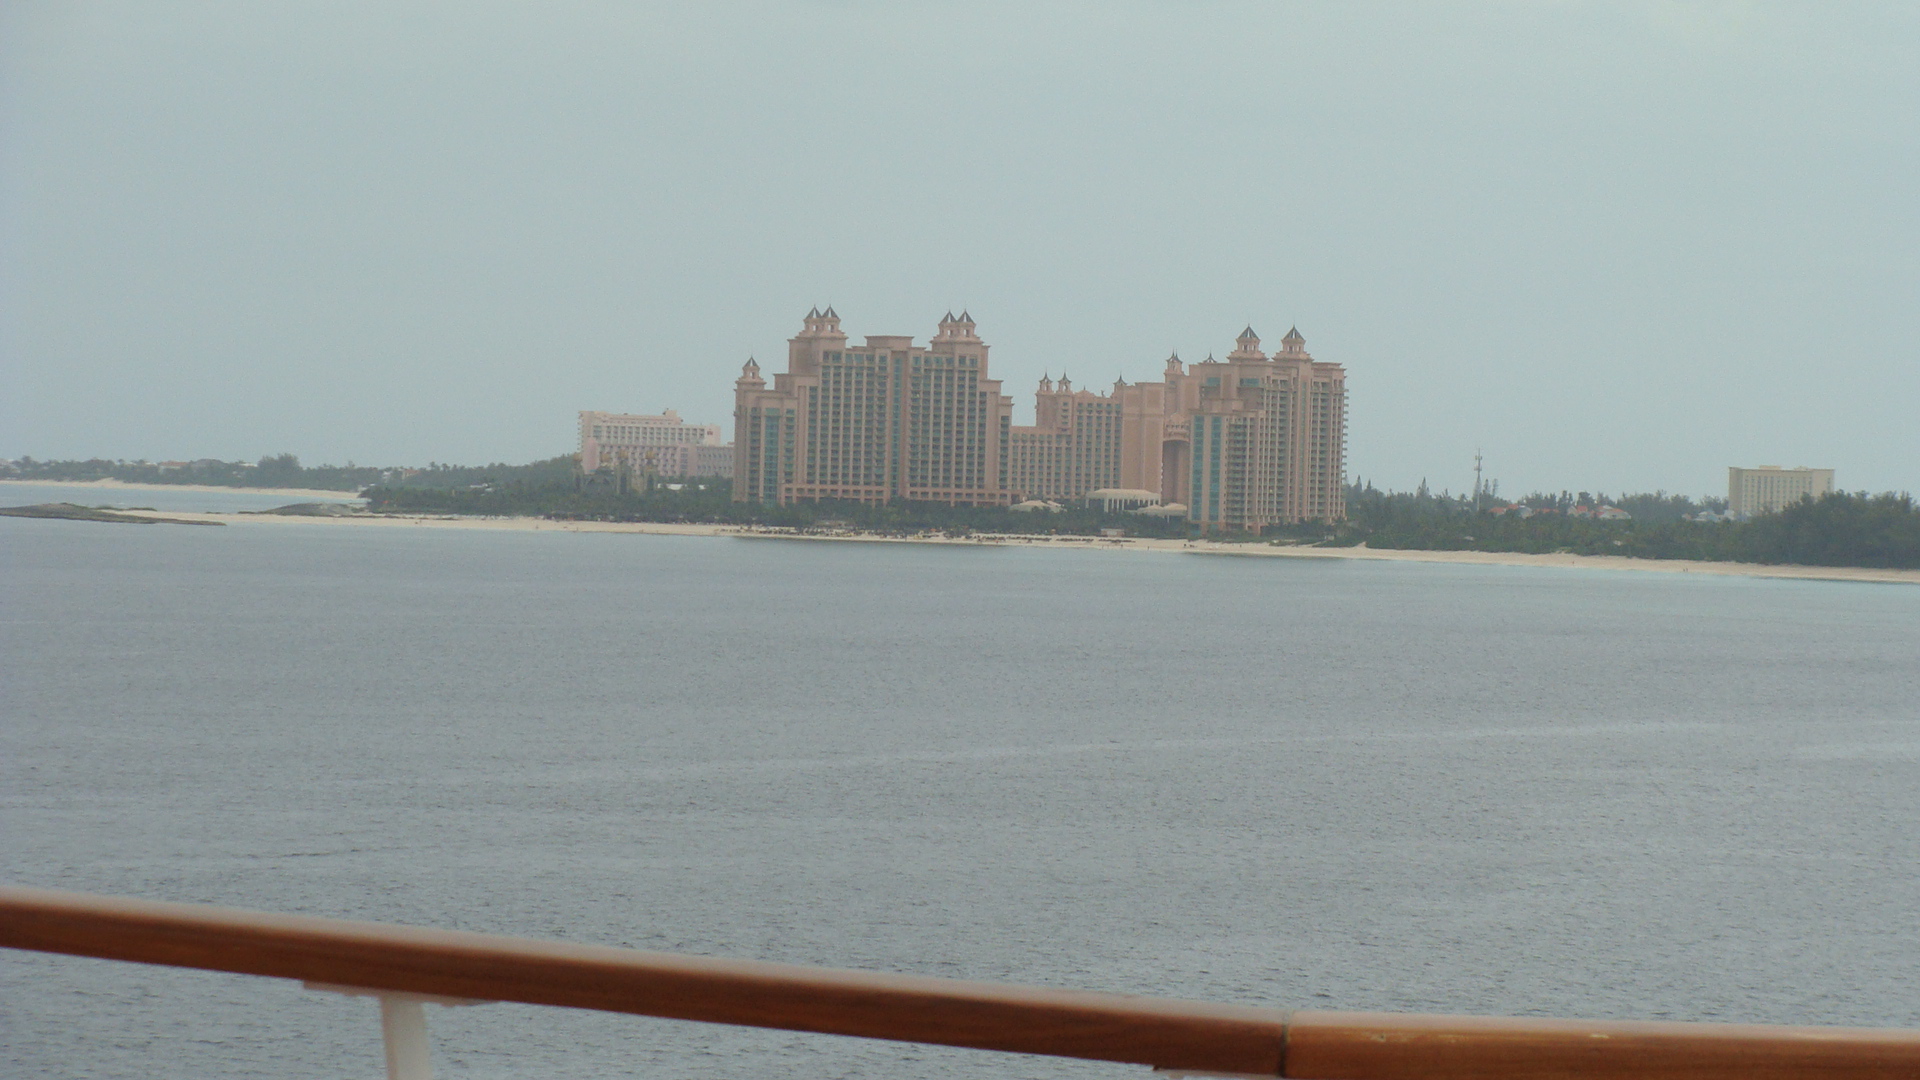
(1108, 500)
(664, 445)
(1770, 487)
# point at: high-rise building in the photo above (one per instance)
(662, 445)
(1243, 443)
(1268, 437)
(1246, 442)
(1072, 448)
(1769, 488)
(874, 422)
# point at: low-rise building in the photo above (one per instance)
(663, 445)
(1113, 500)
(1769, 488)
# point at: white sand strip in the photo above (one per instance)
(1189, 547)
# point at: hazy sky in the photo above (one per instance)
(1614, 245)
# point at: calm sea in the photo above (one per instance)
(1293, 783)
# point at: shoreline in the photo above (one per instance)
(1138, 544)
(110, 484)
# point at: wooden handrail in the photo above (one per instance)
(1167, 1034)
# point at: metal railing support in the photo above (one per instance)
(403, 1027)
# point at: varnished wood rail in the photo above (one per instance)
(1179, 1036)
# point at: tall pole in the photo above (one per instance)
(1476, 479)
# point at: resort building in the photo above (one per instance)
(1768, 488)
(1246, 442)
(1240, 444)
(1268, 437)
(1073, 448)
(874, 422)
(662, 445)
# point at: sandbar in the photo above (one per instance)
(123, 485)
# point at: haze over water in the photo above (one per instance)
(1285, 782)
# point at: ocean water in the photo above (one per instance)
(1320, 784)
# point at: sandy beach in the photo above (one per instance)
(1180, 547)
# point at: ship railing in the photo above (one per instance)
(407, 967)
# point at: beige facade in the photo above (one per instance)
(1769, 488)
(1243, 443)
(874, 422)
(662, 445)
(1073, 447)
(1246, 442)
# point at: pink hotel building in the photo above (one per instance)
(1245, 442)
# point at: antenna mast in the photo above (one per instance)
(1476, 480)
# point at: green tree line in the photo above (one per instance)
(710, 501)
(1840, 529)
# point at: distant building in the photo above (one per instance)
(1114, 500)
(1074, 446)
(1242, 443)
(1603, 513)
(873, 422)
(1770, 487)
(1268, 437)
(662, 445)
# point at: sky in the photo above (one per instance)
(1611, 246)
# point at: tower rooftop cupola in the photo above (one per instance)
(1248, 346)
(1174, 366)
(957, 329)
(1293, 342)
(819, 322)
(750, 374)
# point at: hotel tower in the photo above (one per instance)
(1242, 443)
(873, 422)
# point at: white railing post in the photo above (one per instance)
(403, 1027)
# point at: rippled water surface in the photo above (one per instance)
(1297, 783)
